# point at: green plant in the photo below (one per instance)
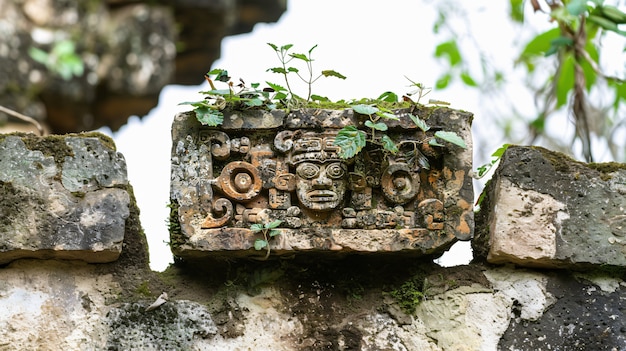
(495, 157)
(352, 140)
(62, 59)
(268, 230)
(285, 58)
(238, 96)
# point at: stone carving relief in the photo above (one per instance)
(296, 175)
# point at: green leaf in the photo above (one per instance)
(451, 137)
(293, 69)
(222, 76)
(350, 140)
(434, 142)
(221, 92)
(388, 96)
(331, 73)
(450, 50)
(194, 103)
(63, 47)
(538, 46)
(276, 87)
(388, 144)
(500, 151)
(468, 80)
(280, 96)
(38, 55)
(273, 224)
(277, 70)
(443, 81)
(254, 102)
(286, 47)
(387, 115)
(378, 126)
(215, 71)
(273, 233)
(260, 244)
(208, 116)
(420, 123)
(557, 44)
(273, 46)
(365, 109)
(302, 57)
(311, 49)
(256, 227)
(319, 98)
(517, 10)
(565, 81)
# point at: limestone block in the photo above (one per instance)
(544, 209)
(62, 197)
(260, 167)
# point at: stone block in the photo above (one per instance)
(544, 209)
(62, 197)
(259, 167)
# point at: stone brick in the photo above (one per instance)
(543, 209)
(62, 197)
(249, 171)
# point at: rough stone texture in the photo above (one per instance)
(72, 204)
(262, 166)
(544, 209)
(356, 302)
(76, 306)
(130, 51)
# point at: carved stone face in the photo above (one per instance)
(321, 186)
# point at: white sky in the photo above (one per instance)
(374, 46)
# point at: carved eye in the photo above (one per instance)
(335, 170)
(308, 170)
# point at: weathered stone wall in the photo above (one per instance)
(548, 272)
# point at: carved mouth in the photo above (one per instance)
(322, 195)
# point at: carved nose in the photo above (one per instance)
(322, 182)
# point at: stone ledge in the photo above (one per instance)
(62, 197)
(543, 209)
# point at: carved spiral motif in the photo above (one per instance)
(399, 184)
(240, 181)
(221, 206)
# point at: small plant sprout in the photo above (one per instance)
(285, 57)
(420, 90)
(269, 231)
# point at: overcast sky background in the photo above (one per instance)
(374, 46)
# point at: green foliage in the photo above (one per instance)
(268, 230)
(238, 96)
(562, 64)
(62, 59)
(350, 139)
(495, 157)
(410, 294)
